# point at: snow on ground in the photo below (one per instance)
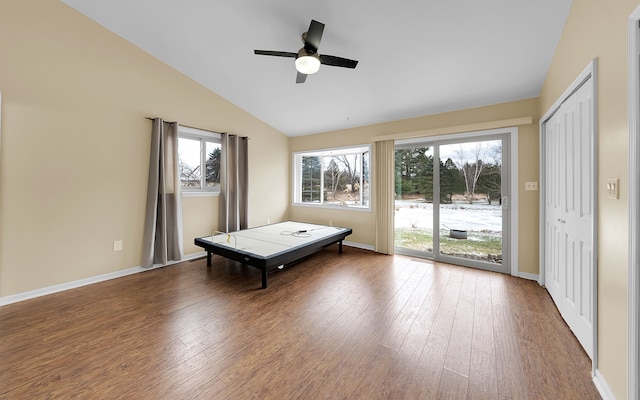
(462, 216)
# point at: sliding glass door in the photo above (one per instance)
(413, 218)
(451, 200)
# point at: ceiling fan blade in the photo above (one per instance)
(301, 77)
(337, 61)
(313, 36)
(276, 53)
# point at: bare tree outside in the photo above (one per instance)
(189, 175)
(352, 170)
(334, 174)
(470, 161)
(189, 162)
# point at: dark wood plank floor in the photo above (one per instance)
(352, 326)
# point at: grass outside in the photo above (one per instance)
(485, 246)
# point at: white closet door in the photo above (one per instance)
(569, 212)
(554, 195)
(577, 291)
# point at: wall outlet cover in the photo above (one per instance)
(531, 186)
(117, 245)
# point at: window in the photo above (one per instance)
(336, 177)
(199, 161)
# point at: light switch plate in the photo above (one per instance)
(612, 188)
(531, 186)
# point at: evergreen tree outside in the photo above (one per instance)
(451, 181)
(490, 182)
(212, 168)
(414, 173)
(311, 179)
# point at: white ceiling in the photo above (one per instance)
(416, 57)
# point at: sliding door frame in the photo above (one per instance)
(634, 206)
(510, 153)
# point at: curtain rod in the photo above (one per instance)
(186, 126)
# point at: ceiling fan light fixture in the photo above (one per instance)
(307, 62)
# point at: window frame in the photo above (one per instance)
(185, 132)
(297, 176)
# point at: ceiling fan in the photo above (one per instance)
(307, 58)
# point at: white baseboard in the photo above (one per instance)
(531, 277)
(603, 387)
(15, 298)
(359, 246)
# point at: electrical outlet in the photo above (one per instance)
(117, 245)
(330, 223)
(531, 186)
(268, 221)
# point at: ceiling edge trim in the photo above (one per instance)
(478, 126)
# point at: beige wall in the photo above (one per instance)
(528, 169)
(74, 152)
(598, 29)
(75, 142)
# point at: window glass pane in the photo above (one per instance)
(413, 216)
(365, 179)
(189, 162)
(475, 211)
(311, 179)
(343, 185)
(334, 177)
(212, 177)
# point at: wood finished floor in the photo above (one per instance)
(354, 326)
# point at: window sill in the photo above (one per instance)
(200, 194)
(334, 207)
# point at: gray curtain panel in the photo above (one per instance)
(234, 183)
(163, 221)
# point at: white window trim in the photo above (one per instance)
(199, 134)
(297, 166)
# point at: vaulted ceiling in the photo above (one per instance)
(416, 57)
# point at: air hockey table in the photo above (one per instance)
(272, 246)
